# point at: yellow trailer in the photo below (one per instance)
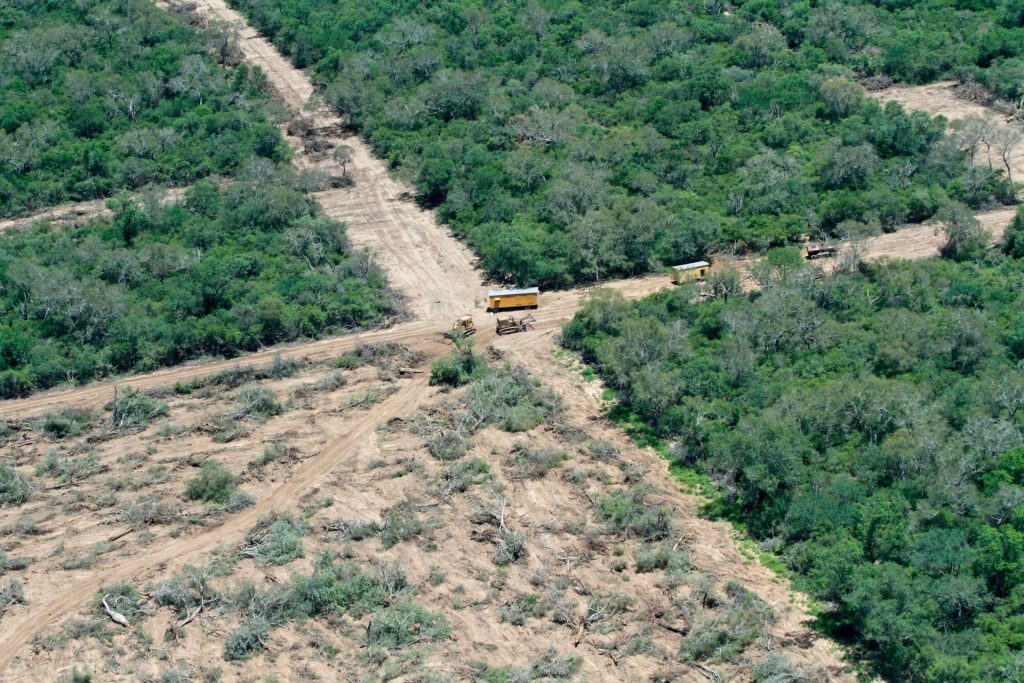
(697, 270)
(505, 299)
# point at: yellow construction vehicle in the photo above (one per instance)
(507, 324)
(462, 328)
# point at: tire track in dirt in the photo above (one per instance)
(15, 634)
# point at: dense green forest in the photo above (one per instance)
(227, 270)
(102, 95)
(572, 141)
(867, 427)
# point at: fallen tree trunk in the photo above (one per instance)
(115, 617)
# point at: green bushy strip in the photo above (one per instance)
(573, 142)
(868, 426)
(109, 95)
(226, 271)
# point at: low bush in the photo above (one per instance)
(661, 557)
(213, 484)
(247, 639)
(239, 500)
(66, 423)
(725, 635)
(68, 470)
(148, 510)
(511, 548)
(14, 488)
(401, 523)
(603, 450)
(534, 463)
(131, 410)
(122, 597)
(403, 624)
(275, 541)
(629, 513)
(459, 367)
(448, 445)
(255, 401)
(776, 668)
(460, 476)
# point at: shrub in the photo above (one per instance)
(457, 478)
(121, 596)
(331, 381)
(148, 510)
(275, 541)
(448, 445)
(12, 593)
(629, 513)
(776, 668)
(271, 453)
(405, 623)
(511, 548)
(254, 400)
(724, 636)
(603, 450)
(247, 639)
(14, 488)
(131, 410)
(459, 367)
(239, 500)
(8, 564)
(344, 588)
(76, 676)
(661, 557)
(551, 665)
(401, 523)
(213, 484)
(66, 423)
(69, 470)
(534, 463)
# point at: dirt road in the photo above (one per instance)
(434, 271)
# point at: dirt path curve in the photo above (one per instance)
(434, 271)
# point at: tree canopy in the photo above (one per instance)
(575, 141)
(226, 270)
(867, 427)
(100, 96)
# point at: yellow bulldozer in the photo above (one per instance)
(462, 328)
(507, 324)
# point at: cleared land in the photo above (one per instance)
(73, 530)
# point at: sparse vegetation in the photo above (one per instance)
(629, 513)
(663, 557)
(726, 634)
(275, 541)
(530, 462)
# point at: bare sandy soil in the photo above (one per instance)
(347, 459)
